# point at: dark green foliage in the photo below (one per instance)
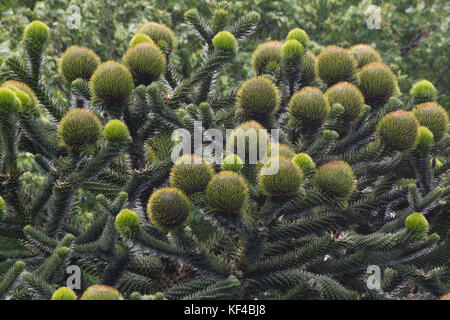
(10, 278)
(191, 174)
(398, 130)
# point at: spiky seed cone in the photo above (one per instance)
(298, 34)
(232, 162)
(309, 105)
(417, 223)
(78, 62)
(64, 293)
(168, 208)
(111, 81)
(146, 63)
(150, 154)
(445, 297)
(9, 102)
(34, 102)
(162, 35)
(335, 178)
(35, 38)
(267, 56)
(304, 162)
(252, 135)
(36, 32)
(181, 112)
(286, 181)
(283, 150)
(308, 67)
(140, 38)
(205, 112)
(258, 96)
(377, 82)
(424, 91)
(101, 292)
(434, 117)
(2, 208)
(347, 95)
(116, 130)
(227, 191)
(424, 138)
(191, 174)
(62, 252)
(365, 54)
(225, 41)
(79, 128)
(159, 296)
(127, 222)
(329, 135)
(398, 130)
(335, 64)
(292, 50)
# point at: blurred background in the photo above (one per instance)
(412, 36)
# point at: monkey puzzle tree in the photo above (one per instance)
(362, 176)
